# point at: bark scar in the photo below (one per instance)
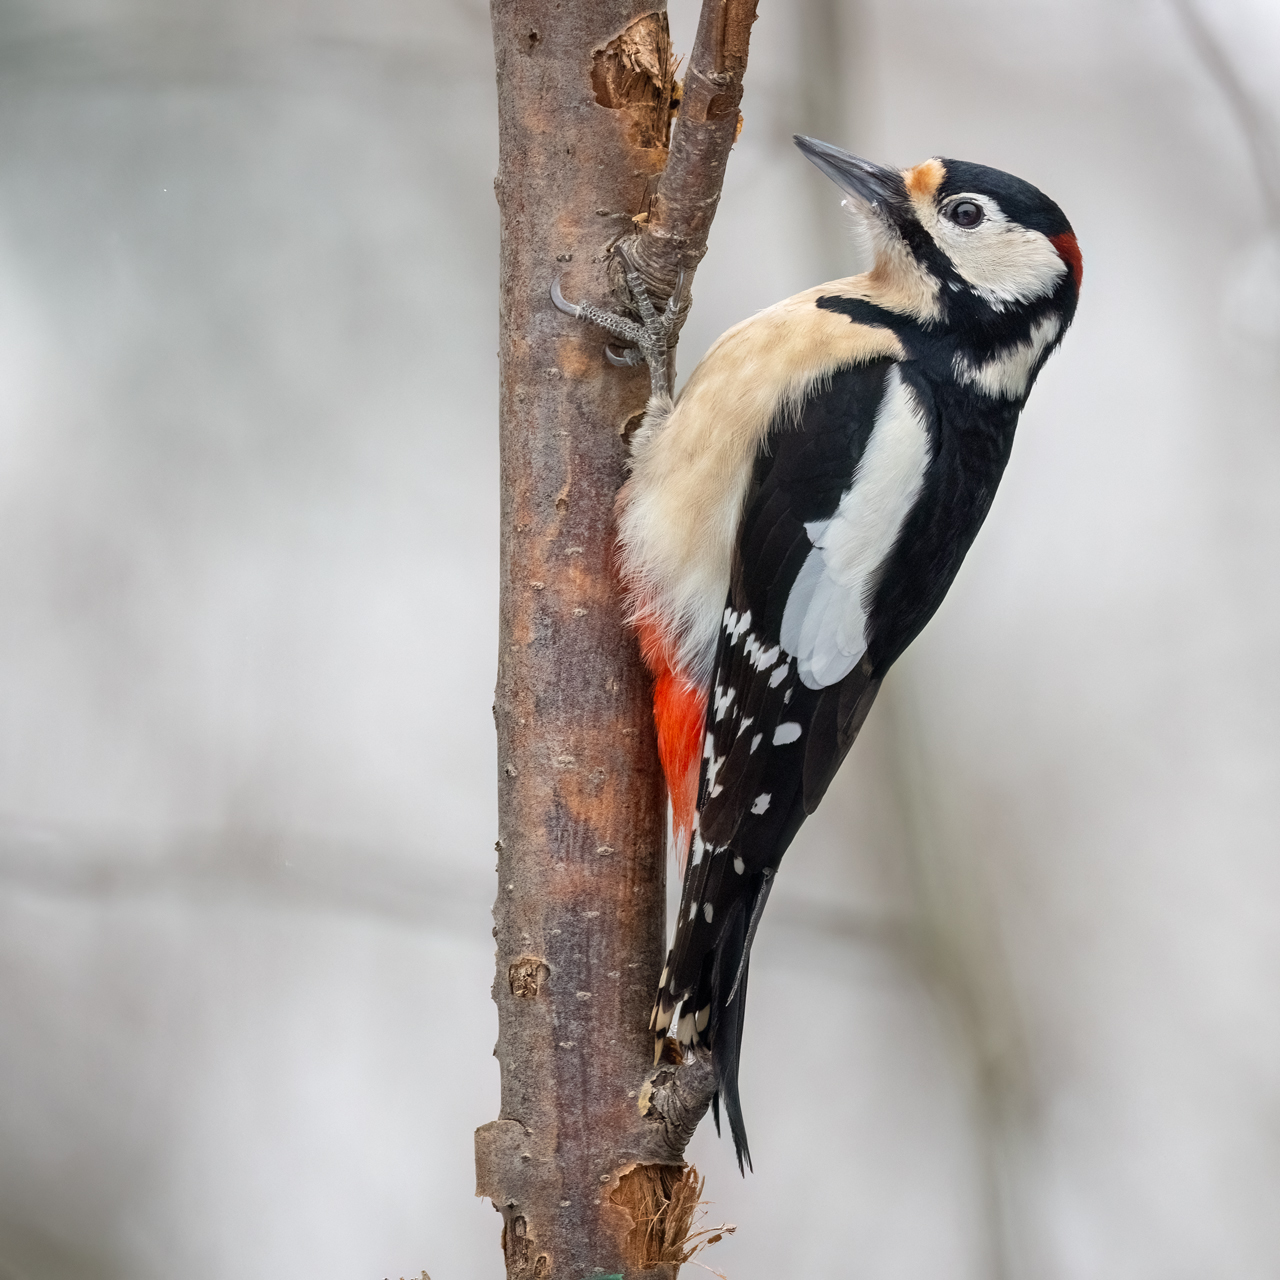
(636, 72)
(527, 977)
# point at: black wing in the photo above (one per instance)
(772, 743)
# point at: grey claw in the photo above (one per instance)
(676, 301)
(558, 298)
(628, 360)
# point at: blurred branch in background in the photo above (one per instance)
(1225, 40)
(956, 935)
(821, 113)
(1250, 115)
(285, 869)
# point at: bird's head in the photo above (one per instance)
(959, 244)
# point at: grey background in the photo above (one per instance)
(1020, 971)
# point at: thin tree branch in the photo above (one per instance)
(684, 204)
(1250, 117)
(673, 236)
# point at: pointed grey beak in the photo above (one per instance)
(879, 187)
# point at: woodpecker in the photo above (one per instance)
(795, 517)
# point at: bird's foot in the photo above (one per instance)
(648, 340)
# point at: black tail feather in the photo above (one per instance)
(728, 998)
(757, 910)
(725, 1051)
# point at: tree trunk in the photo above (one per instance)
(585, 1162)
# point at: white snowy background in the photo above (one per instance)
(1020, 972)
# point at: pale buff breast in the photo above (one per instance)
(678, 513)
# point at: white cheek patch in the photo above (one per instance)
(1003, 262)
(1008, 373)
(825, 618)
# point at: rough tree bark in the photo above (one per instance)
(584, 1161)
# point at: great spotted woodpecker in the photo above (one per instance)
(794, 519)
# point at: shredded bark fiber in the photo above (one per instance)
(662, 1200)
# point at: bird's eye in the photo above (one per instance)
(965, 213)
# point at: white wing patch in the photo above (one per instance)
(824, 622)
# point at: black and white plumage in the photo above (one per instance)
(796, 517)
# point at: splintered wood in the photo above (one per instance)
(636, 72)
(662, 1200)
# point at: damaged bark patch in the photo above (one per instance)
(522, 1261)
(738, 16)
(636, 73)
(527, 976)
(662, 1199)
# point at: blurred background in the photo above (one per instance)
(1022, 967)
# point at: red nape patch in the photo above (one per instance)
(679, 713)
(1069, 252)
